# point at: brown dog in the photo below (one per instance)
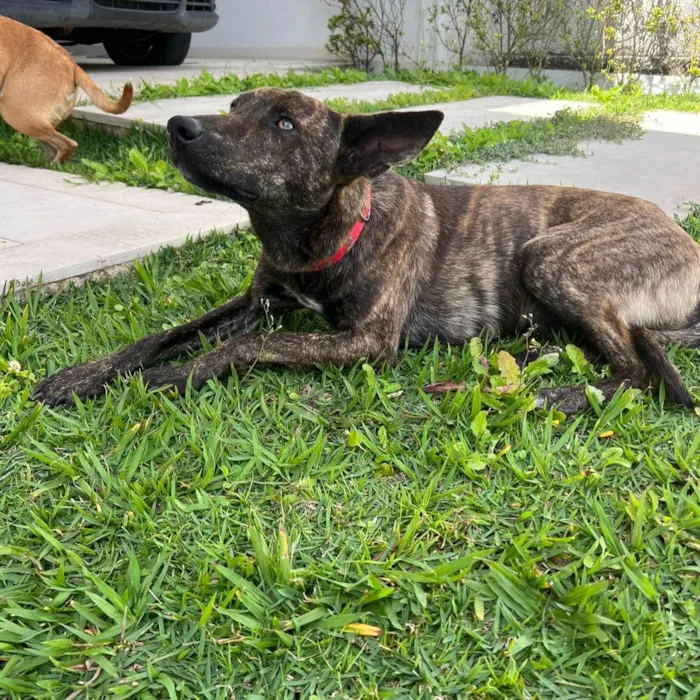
(38, 87)
(387, 260)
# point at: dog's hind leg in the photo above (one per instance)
(58, 148)
(53, 142)
(36, 111)
(614, 283)
(614, 340)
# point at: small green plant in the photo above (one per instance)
(688, 65)
(451, 22)
(355, 35)
(506, 30)
(638, 38)
(231, 84)
(544, 20)
(363, 30)
(506, 141)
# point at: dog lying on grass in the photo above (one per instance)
(385, 259)
(38, 88)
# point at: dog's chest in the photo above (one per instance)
(306, 301)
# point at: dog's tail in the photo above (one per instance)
(654, 356)
(688, 337)
(99, 99)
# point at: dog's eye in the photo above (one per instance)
(285, 124)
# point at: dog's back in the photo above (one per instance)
(488, 236)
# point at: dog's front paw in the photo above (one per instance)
(81, 381)
(167, 376)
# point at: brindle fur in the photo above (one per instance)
(446, 262)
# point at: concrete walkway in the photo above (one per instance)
(52, 225)
(111, 77)
(473, 113)
(158, 113)
(663, 166)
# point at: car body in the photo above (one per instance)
(134, 31)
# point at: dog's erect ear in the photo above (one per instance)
(371, 144)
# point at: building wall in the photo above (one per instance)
(298, 29)
(293, 29)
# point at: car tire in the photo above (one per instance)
(160, 50)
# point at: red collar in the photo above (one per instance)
(353, 235)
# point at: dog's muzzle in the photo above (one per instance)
(184, 129)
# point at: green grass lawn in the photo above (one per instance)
(336, 533)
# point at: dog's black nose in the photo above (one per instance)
(185, 129)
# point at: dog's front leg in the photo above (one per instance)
(295, 350)
(90, 378)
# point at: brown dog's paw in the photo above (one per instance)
(81, 381)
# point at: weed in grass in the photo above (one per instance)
(230, 84)
(560, 135)
(338, 532)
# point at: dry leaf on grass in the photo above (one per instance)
(444, 387)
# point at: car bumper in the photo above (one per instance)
(166, 15)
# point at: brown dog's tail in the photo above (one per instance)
(99, 99)
(688, 336)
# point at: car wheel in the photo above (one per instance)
(159, 50)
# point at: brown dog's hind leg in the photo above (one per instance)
(36, 110)
(53, 142)
(612, 337)
(57, 147)
(615, 277)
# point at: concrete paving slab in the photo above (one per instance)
(672, 122)
(53, 227)
(661, 167)
(487, 110)
(159, 112)
(541, 108)
(111, 77)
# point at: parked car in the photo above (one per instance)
(134, 32)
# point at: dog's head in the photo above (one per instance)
(284, 152)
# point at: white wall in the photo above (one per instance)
(298, 29)
(292, 29)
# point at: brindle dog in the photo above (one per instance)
(446, 262)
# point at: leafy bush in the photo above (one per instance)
(452, 23)
(354, 34)
(364, 30)
(506, 30)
